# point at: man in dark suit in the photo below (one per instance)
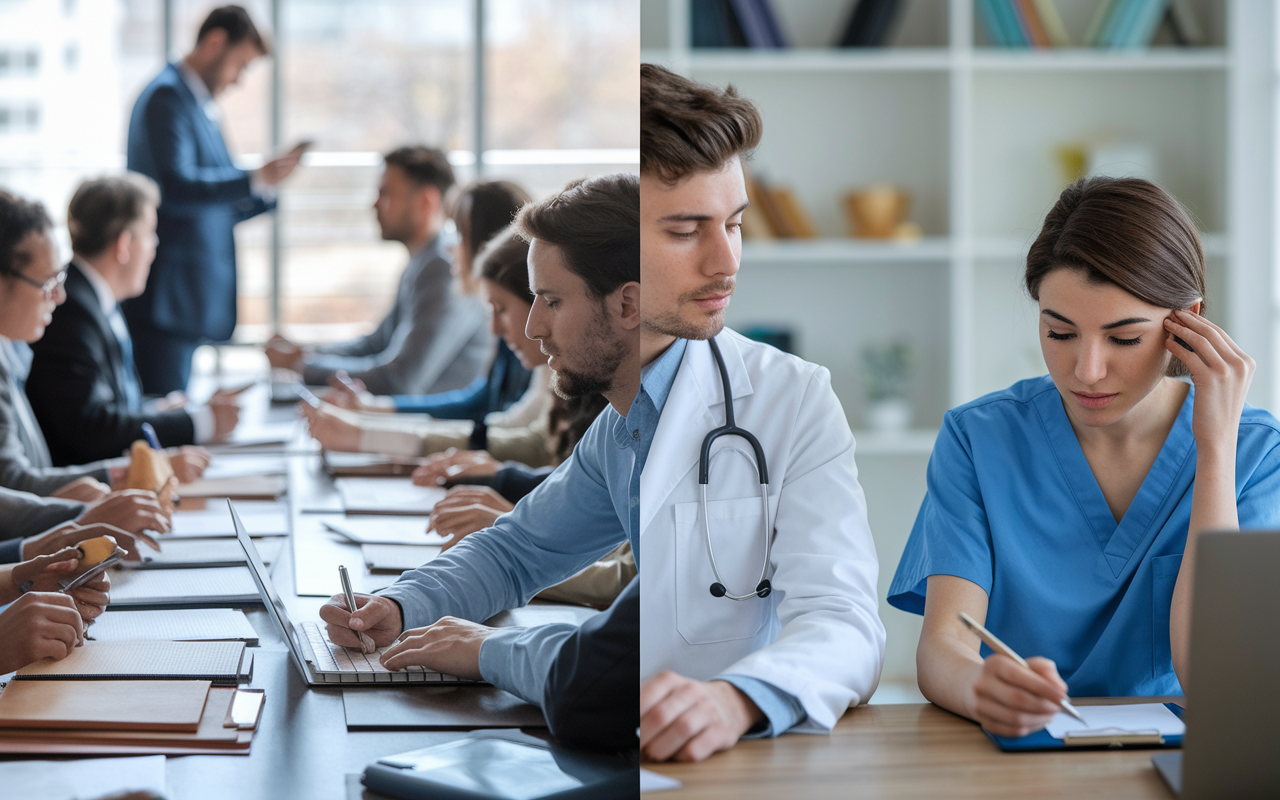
(82, 383)
(174, 139)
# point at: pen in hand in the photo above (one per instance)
(1000, 647)
(365, 642)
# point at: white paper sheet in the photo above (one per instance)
(385, 529)
(81, 778)
(654, 782)
(260, 519)
(178, 585)
(397, 557)
(209, 552)
(1131, 718)
(173, 625)
(237, 465)
(387, 496)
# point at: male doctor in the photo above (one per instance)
(796, 655)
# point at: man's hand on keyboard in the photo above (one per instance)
(379, 617)
(451, 646)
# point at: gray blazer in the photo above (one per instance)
(24, 456)
(433, 339)
(23, 514)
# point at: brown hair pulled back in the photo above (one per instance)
(1124, 231)
(504, 260)
(482, 209)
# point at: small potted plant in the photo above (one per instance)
(886, 375)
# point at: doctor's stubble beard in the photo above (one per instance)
(602, 353)
(671, 323)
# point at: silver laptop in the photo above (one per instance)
(1232, 748)
(320, 661)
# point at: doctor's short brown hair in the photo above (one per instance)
(1127, 232)
(688, 127)
(102, 208)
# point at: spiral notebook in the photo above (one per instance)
(219, 662)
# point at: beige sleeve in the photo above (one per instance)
(421, 439)
(598, 584)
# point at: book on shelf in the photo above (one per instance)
(1115, 24)
(871, 23)
(775, 213)
(1186, 28)
(1054, 27)
(713, 24)
(1032, 26)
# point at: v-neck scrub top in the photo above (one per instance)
(1013, 506)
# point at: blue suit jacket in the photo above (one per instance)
(192, 289)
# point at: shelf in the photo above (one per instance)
(887, 59)
(1093, 59)
(893, 443)
(1215, 246)
(837, 251)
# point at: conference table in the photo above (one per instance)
(302, 748)
(910, 751)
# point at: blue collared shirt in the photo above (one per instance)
(588, 506)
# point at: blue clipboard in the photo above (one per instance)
(1041, 740)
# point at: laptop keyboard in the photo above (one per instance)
(336, 664)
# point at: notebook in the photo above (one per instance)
(244, 464)
(202, 553)
(397, 557)
(383, 529)
(219, 662)
(387, 496)
(104, 705)
(174, 625)
(199, 586)
(317, 659)
(260, 519)
(341, 465)
(257, 487)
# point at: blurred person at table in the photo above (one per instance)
(39, 620)
(520, 433)
(479, 211)
(434, 338)
(32, 526)
(83, 385)
(31, 286)
(174, 139)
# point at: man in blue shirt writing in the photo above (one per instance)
(584, 272)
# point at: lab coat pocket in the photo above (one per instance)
(737, 531)
(1164, 574)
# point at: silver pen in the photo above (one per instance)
(365, 642)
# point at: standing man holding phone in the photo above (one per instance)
(174, 139)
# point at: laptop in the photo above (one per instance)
(318, 660)
(1232, 745)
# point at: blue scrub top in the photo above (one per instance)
(1013, 506)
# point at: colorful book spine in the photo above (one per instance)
(991, 23)
(1032, 23)
(1053, 25)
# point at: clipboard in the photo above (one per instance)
(1042, 740)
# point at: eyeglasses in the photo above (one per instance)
(49, 287)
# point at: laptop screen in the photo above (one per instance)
(271, 599)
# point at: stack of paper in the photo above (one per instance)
(174, 625)
(260, 519)
(397, 557)
(382, 529)
(387, 496)
(199, 586)
(222, 552)
(250, 487)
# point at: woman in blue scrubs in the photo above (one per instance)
(1062, 511)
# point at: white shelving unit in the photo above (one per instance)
(971, 131)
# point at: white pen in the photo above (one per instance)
(1000, 647)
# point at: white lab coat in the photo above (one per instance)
(818, 636)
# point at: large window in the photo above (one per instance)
(559, 100)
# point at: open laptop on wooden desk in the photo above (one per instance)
(1232, 746)
(320, 661)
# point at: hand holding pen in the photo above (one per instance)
(1016, 696)
(366, 643)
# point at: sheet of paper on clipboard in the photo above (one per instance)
(1118, 720)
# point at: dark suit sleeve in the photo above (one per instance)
(592, 693)
(72, 393)
(172, 136)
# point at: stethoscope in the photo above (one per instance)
(704, 473)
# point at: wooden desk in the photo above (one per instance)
(909, 751)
